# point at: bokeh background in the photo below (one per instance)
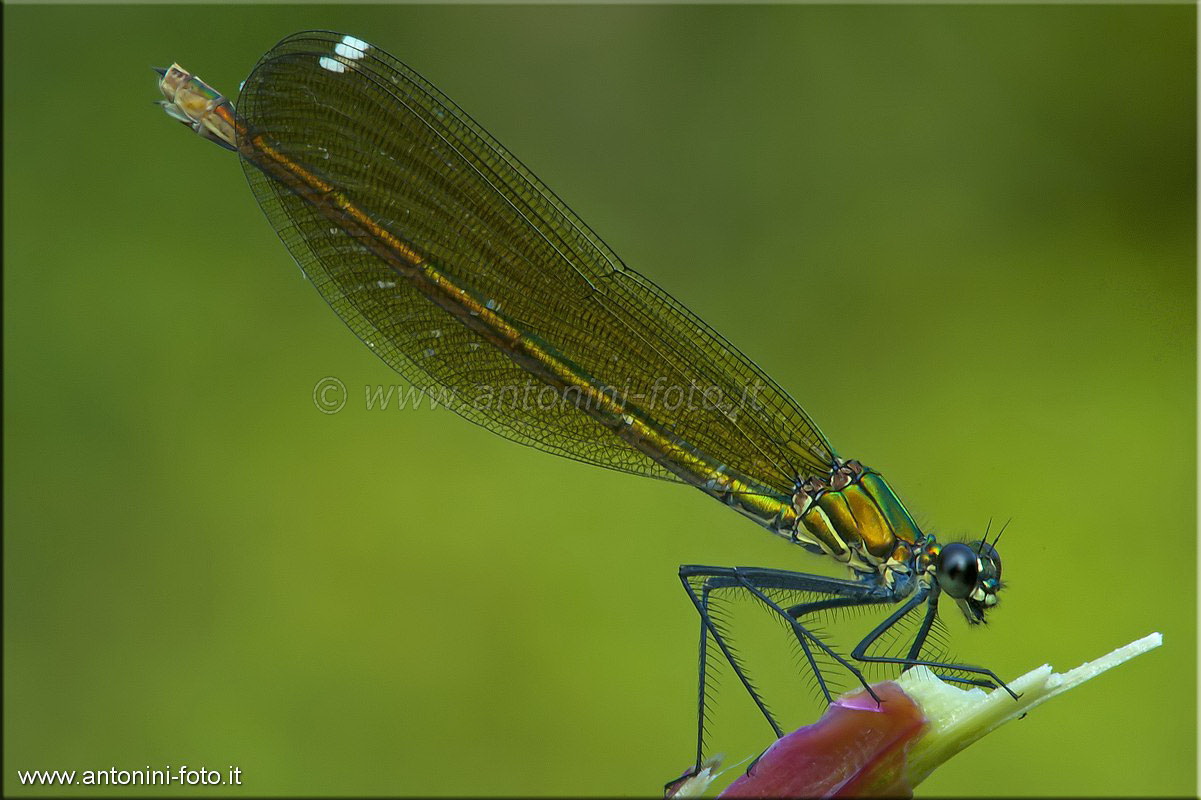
(987, 212)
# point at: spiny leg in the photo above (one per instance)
(708, 628)
(928, 595)
(801, 609)
(729, 654)
(802, 634)
(702, 688)
(845, 593)
(919, 641)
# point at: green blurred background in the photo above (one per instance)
(964, 237)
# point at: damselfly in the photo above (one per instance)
(466, 274)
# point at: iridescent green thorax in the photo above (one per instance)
(854, 516)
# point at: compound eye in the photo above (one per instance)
(957, 570)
